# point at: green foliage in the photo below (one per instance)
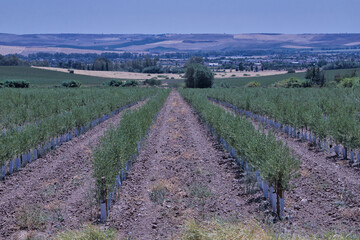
(118, 145)
(315, 75)
(349, 82)
(152, 69)
(152, 82)
(217, 229)
(33, 116)
(15, 84)
(87, 232)
(198, 75)
(131, 83)
(71, 84)
(253, 84)
(11, 60)
(290, 71)
(103, 64)
(271, 158)
(114, 83)
(330, 113)
(45, 78)
(31, 217)
(292, 83)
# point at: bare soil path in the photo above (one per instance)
(56, 190)
(326, 196)
(180, 173)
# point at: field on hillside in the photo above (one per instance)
(161, 76)
(266, 81)
(260, 163)
(46, 78)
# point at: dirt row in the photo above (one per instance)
(181, 173)
(326, 196)
(55, 192)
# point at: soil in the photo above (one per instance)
(326, 196)
(181, 173)
(57, 190)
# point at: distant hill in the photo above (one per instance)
(97, 43)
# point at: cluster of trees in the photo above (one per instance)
(152, 82)
(341, 65)
(119, 83)
(71, 84)
(11, 60)
(145, 65)
(15, 84)
(292, 83)
(197, 75)
(316, 76)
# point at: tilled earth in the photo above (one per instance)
(55, 192)
(326, 196)
(181, 173)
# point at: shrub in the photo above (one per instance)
(292, 83)
(349, 82)
(253, 84)
(131, 83)
(291, 71)
(152, 82)
(31, 217)
(152, 69)
(71, 84)
(114, 83)
(14, 84)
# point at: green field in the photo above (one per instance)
(265, 81)
(46, 78)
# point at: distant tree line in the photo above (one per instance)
(11, 60)
(15, 84)
(341, 65)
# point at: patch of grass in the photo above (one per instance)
(45, 78)
(77, 181)
(31, 217)
(49, 191)
(199, 191)
(158, 193)
(88, 232)
(220, 230)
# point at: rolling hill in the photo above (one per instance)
(97, 43)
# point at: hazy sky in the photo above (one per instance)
(180, 16)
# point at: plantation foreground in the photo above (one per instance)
(180, 164)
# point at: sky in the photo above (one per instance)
(179, 16)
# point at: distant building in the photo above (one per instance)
(213, 64)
